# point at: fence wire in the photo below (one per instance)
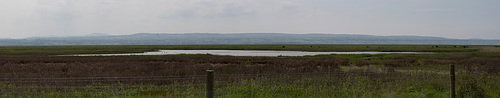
(420, 82)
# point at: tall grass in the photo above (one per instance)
(32, 72)
(347, 84)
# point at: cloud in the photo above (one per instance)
(437, 9)
(77, 17)
(24, 18)
(219, 9)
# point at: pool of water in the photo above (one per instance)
(239, 53)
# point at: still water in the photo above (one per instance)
(240, 53)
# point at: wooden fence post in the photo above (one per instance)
(452, 81)
(210, 83)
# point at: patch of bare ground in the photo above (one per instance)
(490, 49)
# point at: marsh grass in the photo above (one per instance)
(31, 51)
(336, 75)
(349, 84)
(355, 82)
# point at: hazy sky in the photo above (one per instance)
(442, 18)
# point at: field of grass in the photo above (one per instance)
(35, 71)
(61, 50)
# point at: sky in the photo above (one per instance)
(462, 19)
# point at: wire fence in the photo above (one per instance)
(394, 83)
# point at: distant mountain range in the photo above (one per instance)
(242, 38)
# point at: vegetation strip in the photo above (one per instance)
(333, 75)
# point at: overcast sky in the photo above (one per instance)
(442, 18)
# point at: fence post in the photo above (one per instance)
(210, 83)
(452, 81)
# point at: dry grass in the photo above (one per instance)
(490, 49)
(141, 66)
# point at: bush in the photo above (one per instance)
(362, 63)
(436, 62)
(401, 61)
(490, 68)
(470, 89)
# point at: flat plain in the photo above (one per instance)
(38, 71)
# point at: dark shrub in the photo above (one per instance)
(406, 59)
(362, 63)
(399, 61)
(393, 63)
(470, 88)
(436, 62)
(491, 68)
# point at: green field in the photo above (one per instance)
(60, 50)
(36, 71)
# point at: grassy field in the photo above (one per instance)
(60, 50)
(35, 71)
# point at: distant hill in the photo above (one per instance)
(244, 38)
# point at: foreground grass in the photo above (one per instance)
(354, 85)
(363, 75)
